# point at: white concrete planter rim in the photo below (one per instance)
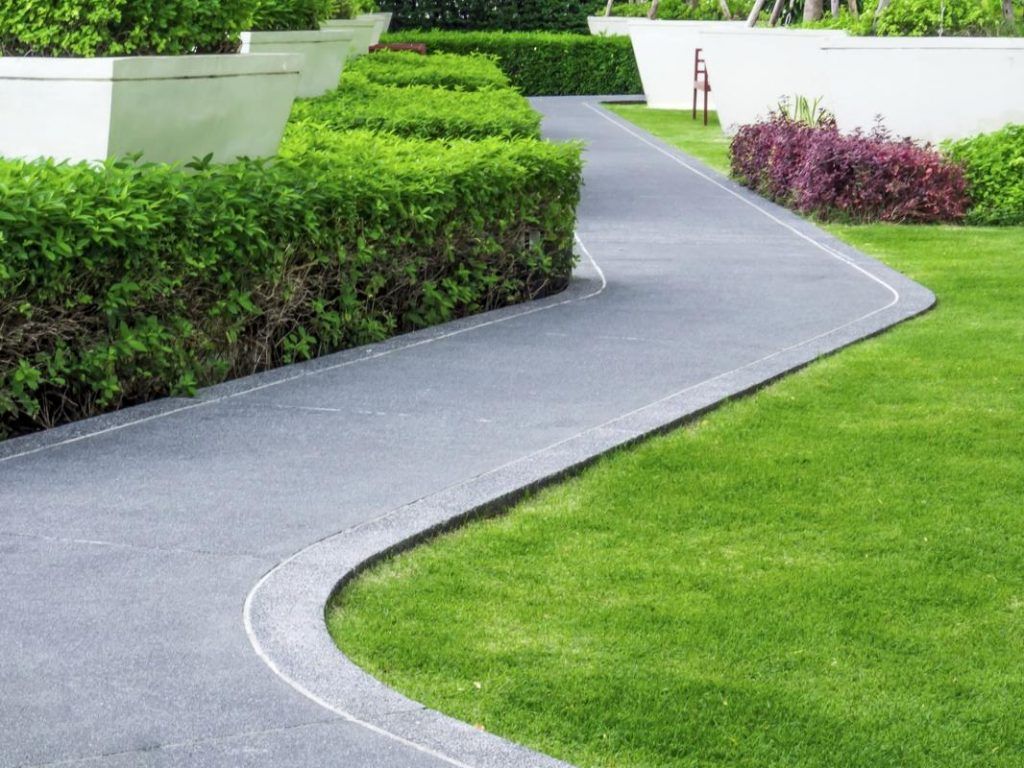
(342, 23)
(302, 36)
(148, 67)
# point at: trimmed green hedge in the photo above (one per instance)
(994, 167)
(421, 111)
(528, 15)
(441, 70)
(122, 283)
(542, 63)
(121, 27)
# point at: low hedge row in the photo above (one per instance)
(421, 111)
(994, 166)
(526, 15)
(542, 63)
(441, 70)
(857, 177)
(917, 18)
(121, 283)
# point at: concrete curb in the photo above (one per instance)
(284, 613)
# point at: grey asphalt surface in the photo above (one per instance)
(129, 544)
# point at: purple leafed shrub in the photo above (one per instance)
(859, 177)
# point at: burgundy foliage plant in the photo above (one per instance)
(858, 177)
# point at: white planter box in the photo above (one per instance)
(170, 108)
(365, 32)
(664, 55)
(324, 53)
(383, 16)
(610, 26)
(380, 25)
(927, 88)
(752, 70)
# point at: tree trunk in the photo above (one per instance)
(653, 13)
(608, 8)
(726, 13)
(854, 10)
(1008, 10)
(835, 8)
(694, 4)
(776, 12)
(813, 10)
(755, 12)
(882, 5)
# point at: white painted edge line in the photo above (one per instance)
(250, 598)
(247, 605)
(604, 114)
(515, 315)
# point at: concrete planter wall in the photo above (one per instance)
(664, 54)
(383, 16)
(752, 70)
(927, 88)
(610, 26)
(365, 32)
(170, 108)
(324, 53)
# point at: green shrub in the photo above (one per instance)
(509, 15)
(933, 17)
(994, 166)
(543, 63)
(122, 283)
(121, 27)
(442, 70)
(349, 9)
(285, 15)
(926, 18)
(420, 111)
(681, 10)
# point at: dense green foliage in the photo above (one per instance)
(422, 111)
(509, 15)
(125, 282)
(283, 15)
(441, 70)
(121, 27)
(682, 10)
(542, 63)
(994, 166)
(917, 18)
(349, 9)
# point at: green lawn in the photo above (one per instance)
(828, 574)
(706, 143)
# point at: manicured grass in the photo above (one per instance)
(829, 573)
(678, 127)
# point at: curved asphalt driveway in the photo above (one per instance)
(130, 545)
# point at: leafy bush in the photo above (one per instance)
(121, 27)
(821, 172)
(442, 70)
(122, 283)
(681, 10)
(421, 111)
(349, 9)
(926, 18)
(934, 17)
(510, 15)
(994, 166)
(284, 15)
(545, 64)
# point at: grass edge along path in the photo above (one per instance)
(829, 572)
